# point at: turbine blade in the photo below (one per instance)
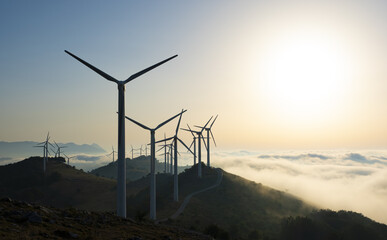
(136, 75)
(103, 74)
(160, 148)
(193, 141)
(212, 135)
(163, 140)
(213, 121)
(204, 141)
(139, 124)
(206, 124)
(190, 130)
(178, 124)
(184, 145)
(165, 122)
(198, 126)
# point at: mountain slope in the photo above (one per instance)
(234, 209)
(20, 220)
(61, 186)
(135, 168)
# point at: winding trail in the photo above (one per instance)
(188, 198)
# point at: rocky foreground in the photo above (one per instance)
(21, 220)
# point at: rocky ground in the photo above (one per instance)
(21, 220)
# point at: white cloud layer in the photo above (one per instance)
(355, 181)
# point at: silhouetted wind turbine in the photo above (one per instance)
(57, 153)
(200, 136)
(113, 151)
(193, 143)
(121, 169)
(208, 139)
(176, 179)
(153, 161)
(68, 158)
(131, 150)
(46, 152)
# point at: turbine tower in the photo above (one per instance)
(121, 169)
(199, 137)
(68, 158)
(153, 161)
(113, 151)
(45, 150)
(175, 173)
(208, 139)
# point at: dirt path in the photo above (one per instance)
(188, 198)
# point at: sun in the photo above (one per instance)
(304, 77)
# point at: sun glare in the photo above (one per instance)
(304, 77)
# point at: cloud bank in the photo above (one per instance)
(355, 181)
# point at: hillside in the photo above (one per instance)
(135, 168)
(235, 209)
(62, 185)
(327, 224)
(238, 207)
(21, 220)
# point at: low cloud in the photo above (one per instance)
(88, 158)
(5, 159)
(355, 181)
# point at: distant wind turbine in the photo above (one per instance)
(199, 137)
(121, 169)
(45, 149)
(175, 141)
(153, 161)
(57, 153)
(208, 139)
(112, 153)
(68, 158)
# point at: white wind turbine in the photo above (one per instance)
(121, 169)
(45, 150)
(199, 137)
(153, 161)
(208, 139)
(176, 179)
(112, 153)
(68, 158)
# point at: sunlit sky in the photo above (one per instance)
(280, 74)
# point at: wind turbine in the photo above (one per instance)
(176, 179)
(45, 149)
(193, 143)
(199, 137)
(208, 139)
(131, 150)
(153, 160)
(121, 169)
(59, 148)
(165, 155)
(68, 158)
(146, 150)
(113, 151)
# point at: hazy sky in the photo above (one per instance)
(280, 74)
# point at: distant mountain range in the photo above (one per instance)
(10, 150)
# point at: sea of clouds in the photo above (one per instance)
(334, 179)
(349, 180)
